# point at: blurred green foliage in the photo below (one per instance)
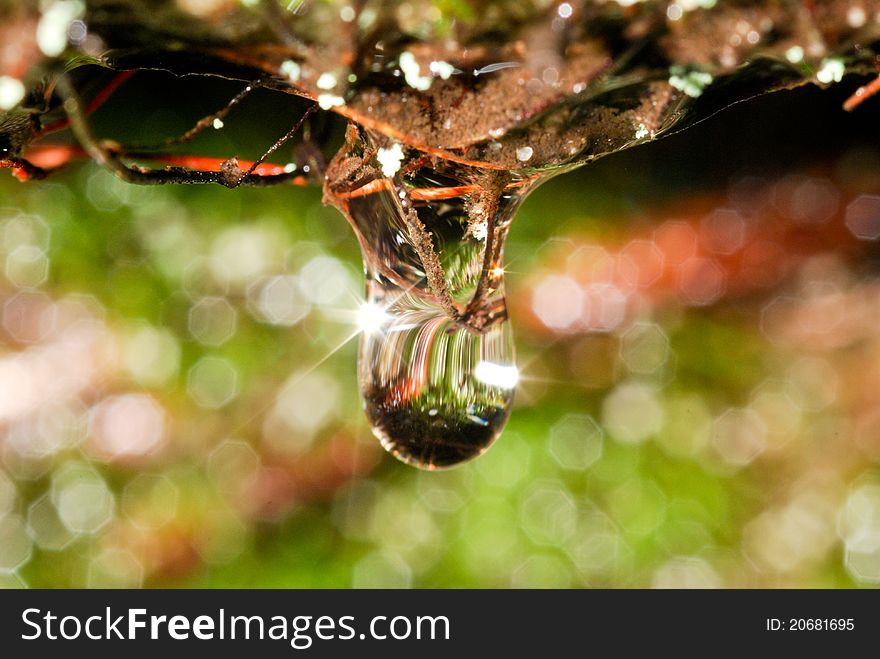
(244, 491)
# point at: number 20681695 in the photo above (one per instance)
(810, 624)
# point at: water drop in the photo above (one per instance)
(436, 364)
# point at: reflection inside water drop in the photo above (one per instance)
(436, 363)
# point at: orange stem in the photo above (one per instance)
(862, 94)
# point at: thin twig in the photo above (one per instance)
(229, 175)
(283, 140)
(423, 243)
(202, 123)
(490, 201)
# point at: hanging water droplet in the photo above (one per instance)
(420, 377)
(436, 363)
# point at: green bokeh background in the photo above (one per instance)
(224, 502)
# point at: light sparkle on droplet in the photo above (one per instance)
(832, 71)
(442, 69)
(856, 17)
(326, 81)
(327, 101)
(53, 25)
(412, 72)
(371, 318)
(347, 14)
(291, 70)
(524, 153)
(11, 92)
(497, 375)
(390, 159)
(795, 54)
(691, 82)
